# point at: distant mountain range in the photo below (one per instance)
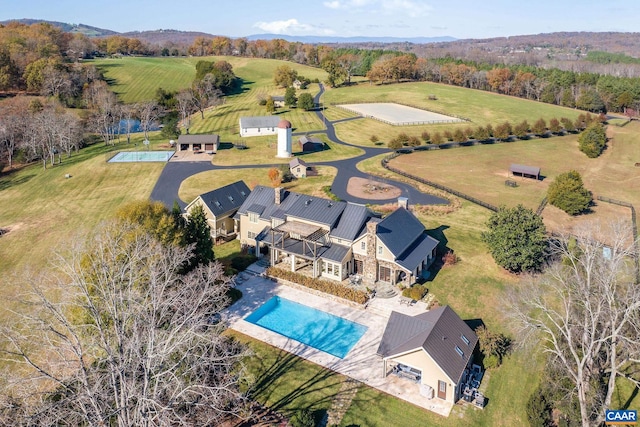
(176, 36)
(360, 39)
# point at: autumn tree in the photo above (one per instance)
(274, 176)
(521, 130)
(539, 127)
(583, 314)
(284, 76)
(270, 105)
(555, 126)
(131, 342)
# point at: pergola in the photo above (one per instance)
(525, 171)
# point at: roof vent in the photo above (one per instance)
(330, 204)
(308, 202)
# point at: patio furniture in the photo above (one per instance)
(406, 301)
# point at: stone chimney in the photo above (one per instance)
(403, 202)
(278, 195)
(370, 264)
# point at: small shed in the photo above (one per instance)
(278, 101)
(300, 169)
(525, 171)
(309, 143)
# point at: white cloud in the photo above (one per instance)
(291, 27)
(333, 4)
(413, 9)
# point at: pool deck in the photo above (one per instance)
(361, 363)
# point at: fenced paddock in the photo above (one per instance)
(141, 156)
(397, 114)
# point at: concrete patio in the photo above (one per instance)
(361, 363)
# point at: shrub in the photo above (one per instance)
(554, 126)
(374, 138)
(437, 138)
(503, 131)
(482, 133)
(241, 262)
(326, 286)
(415, 292)
(468, 132)
(494, 347)
(448, 135)
(592, 140)
(567, 124)
(413, 141)
(539, 410)
(459, 136)
(394, 144)
(450, 258)
(540, 127)
(303, 418)
(402, 137)
(262, 101)
(425, 136)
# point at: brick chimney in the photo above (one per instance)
(403, 202)
(278, 195)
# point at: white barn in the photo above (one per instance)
(259, 126)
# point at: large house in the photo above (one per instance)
(435, 347)
(335, 239)
(220, 205)
(259, 125)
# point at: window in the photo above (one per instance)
(251, 235)
(465, 339)
(363, 245)
(379, 250)
(459, 350)
(330, 268)
(253, 217)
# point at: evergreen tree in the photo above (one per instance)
(305, 101)
(290, 97)
(567, 192)
(516, 239)
(592, 140)
(199, 234)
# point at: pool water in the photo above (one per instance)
(318, 329)
(141, 156)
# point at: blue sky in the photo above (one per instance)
(391, 18)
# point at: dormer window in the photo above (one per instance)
(218, 204)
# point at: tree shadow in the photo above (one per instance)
(9, 179)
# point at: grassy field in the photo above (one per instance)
(45, 210)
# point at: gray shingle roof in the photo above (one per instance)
(399, 230)
(226, 199)
(297, 162)
(305, 139)
(438, 332)
(259, 122)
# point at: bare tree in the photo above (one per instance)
(206, 94)
(148, 112)
(186, 107)
(134, 341)
(585, 309)
(104, 108)
(13, 121)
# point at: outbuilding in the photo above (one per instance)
(525, 171)
(208, 143)
(259, 125)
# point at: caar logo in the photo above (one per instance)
(621, 417)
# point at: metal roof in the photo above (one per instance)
(297, 162)
(414, 254)
(525, 170)
(316, 209)
(259, 122)
(305, 139)
(352, 222)
(438, 332)
(225, 199)
(198, 139)
(256, 208)
(399, 230)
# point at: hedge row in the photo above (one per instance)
(326, 286)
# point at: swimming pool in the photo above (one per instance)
(141, 156)
(318, 329)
